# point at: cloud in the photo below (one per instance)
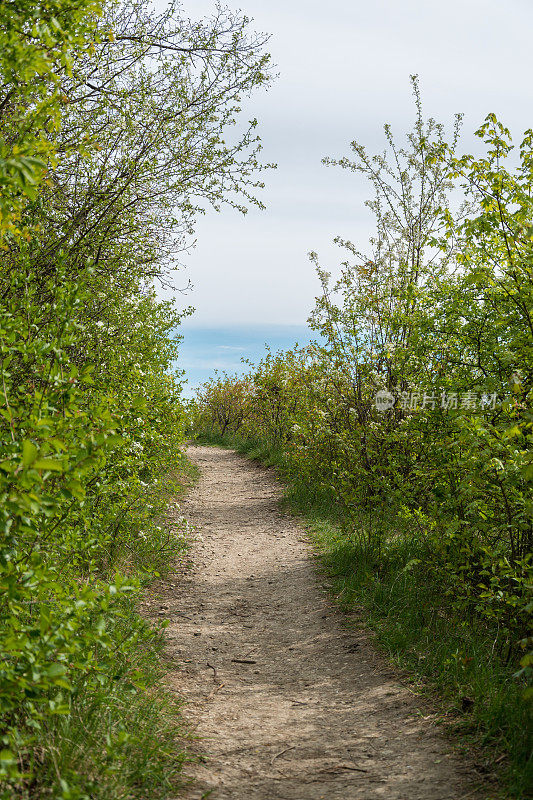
(345, 71)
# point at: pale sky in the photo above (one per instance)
(344, 71)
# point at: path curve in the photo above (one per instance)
(289, 704)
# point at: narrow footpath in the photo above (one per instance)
(288, 703)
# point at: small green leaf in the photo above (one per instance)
(49, 464)
(55, 670)
(29, 453)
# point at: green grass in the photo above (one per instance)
(414, 625)
(123, 737)
(456, 660)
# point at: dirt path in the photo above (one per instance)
(289, 704)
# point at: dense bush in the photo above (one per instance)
(112, 131)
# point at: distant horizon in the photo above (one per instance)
(210, 349)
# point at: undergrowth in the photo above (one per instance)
(109, 728)
(123, 737)
(415, 626)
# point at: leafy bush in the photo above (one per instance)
(109, 147)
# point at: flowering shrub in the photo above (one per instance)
(108, 145)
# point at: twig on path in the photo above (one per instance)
(343, 766)
(214, 671)
(214, 691)
(243, 661)
(281, 753)
(355, 769)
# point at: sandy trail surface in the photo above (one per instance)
(288, 703)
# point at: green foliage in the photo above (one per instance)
(38, 41)
(113, 136)
(86, 449)
(222, 406)
(437, 317)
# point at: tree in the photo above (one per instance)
(38, 41)
(117, 131)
